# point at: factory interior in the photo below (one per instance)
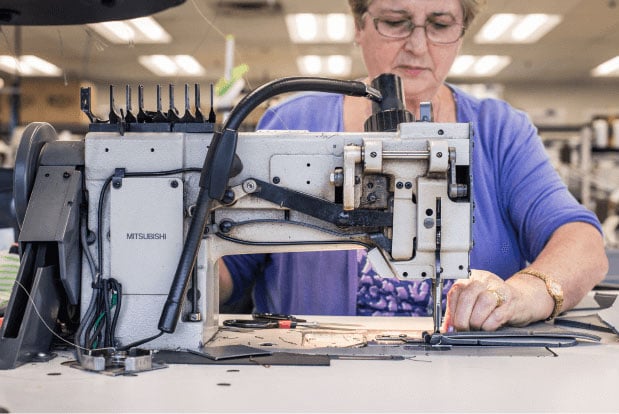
(70, 70)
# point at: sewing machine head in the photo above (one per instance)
(124, 207)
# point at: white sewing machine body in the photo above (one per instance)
(125, 227)
(145, 215)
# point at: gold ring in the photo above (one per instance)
(500, 298)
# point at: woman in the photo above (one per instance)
(524, 214)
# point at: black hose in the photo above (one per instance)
(297, 84)
(217, 167)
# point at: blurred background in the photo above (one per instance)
(556, 59)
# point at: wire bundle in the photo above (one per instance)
(101, 322)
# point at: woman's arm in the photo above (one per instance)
(574, 257)
(226, 285)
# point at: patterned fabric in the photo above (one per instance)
(377, 296)
(9, 267)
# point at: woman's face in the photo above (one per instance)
(422, 65)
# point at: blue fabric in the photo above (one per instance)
(519, 202)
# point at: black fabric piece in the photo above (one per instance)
(229, 351)
(541, 334)
(589, 322)
(276, 358)
(605, 300)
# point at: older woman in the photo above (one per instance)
(537, 251)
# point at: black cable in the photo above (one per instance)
(297, 84)
(94, 272)
(95, 336)
(296, 223)
(119, 294)
(105, 332)
(103, 192)
(107, 313)
(140, 342)
(218, 165)
(297, 243)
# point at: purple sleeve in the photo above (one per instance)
(244, 269)
(538, 200)
(520, 200)
(308, 111)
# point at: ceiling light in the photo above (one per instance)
(310, 64)
(305, 26)
(490, 65)
(175, 65)
(462, 64)
(140, 30)
(517, 28)
(151, 29)
(478, 66)
(320, 28)
(28, 65)
(495, 27)
(337, 27)
(338, 65)
(608, 68)
(334, 65)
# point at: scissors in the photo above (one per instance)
(268, 321)
(276, 317)
(281, 321)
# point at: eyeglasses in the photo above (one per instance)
(436, 31)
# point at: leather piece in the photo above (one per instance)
(276, 358)
(544, 335)
(589, 322)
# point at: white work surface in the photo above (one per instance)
(583, 378)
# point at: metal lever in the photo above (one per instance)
(199, 115)
(129, 117)
(187, 117)
(85, 105)
(143, 117)
(172, 111)
(159, 116)
(114, 118)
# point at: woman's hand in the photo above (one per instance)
(486, 302)
(574, 257)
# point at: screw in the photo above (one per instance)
(228, 197)
(408, 185)
(399, 185)
(439, 155)
(174, 184)
(66, 174)
(225, 226)
(276, 180)
(373, 154)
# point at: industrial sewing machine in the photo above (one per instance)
(121, 232)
